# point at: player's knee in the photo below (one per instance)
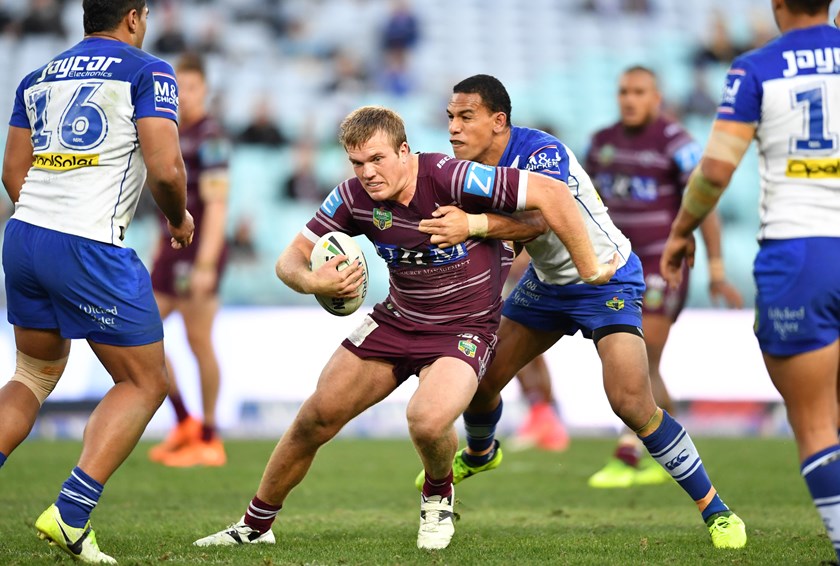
(425, 430)
(39, 376)
(315, 424)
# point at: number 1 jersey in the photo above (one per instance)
(82, 107)
(790, 89)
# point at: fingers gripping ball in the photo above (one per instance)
(327, 247)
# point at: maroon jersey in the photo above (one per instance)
(204, 147)
(431, 288)
(640, 175)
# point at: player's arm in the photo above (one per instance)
(724, 151)
(166, 175)
(17, 160)
(292, 268)
(554, 200)
(450, 225)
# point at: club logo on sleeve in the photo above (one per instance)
(382, 219)
(166, 93)
(331, 203)
(480, 180)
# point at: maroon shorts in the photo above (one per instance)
(410, 350)
(171, 272)
(659, 298)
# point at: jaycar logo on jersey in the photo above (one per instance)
(64, 161)
(166, 93)
(480, 180)
(79, 67)
(331, 203)
(824, 60)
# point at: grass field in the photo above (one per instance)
(358, 506)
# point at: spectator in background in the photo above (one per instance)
(393, 75)
(171, 40)
(718, 47)
(43, 18)
(262, 129)
(241, 246)
(401, 31)
(698, 102)
(6, 19)
(348, 74)
(303, 184)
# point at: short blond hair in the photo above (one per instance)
(363, 123)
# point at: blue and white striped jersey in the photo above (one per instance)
(538, 151)
(82, 108)
(790, 89)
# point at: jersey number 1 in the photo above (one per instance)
(819, 138)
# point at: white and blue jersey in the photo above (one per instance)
(790, 90)
(65, 263)
(537, 151)
(551, 296)
(82, 108)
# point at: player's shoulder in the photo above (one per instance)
(531, 139)
(669, 128)
(434, 164)
(801, 51)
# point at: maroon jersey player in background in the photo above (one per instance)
(188, 280)
(438, 321)
(639, 166)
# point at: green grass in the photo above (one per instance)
(358, 506)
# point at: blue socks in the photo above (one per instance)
(822, 475)
(671, 446)
(2, 459)
(481, 432)
(79, 495)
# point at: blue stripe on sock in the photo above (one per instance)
(2, 459)
(821, 472)
(481, 428)
(79, 495)
(673, 448)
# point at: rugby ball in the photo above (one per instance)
(327, 247)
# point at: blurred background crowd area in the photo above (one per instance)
(283, 73)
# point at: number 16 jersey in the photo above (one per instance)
(82, 107)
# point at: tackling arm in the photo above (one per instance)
(561, 213)
(450, 226)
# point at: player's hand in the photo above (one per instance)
(605, 272)
(182, 234)
(448, 226)
(677, 249)
(327, 281)
(723, 290)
